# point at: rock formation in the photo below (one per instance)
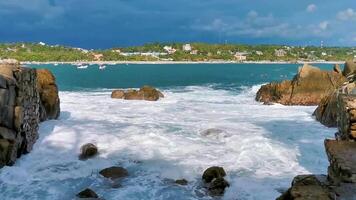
(87, 194)
(214, 180)
(87, 151)
(20, 104)
(350, 68)
(326, 112)
(114, 173)
(308, 87)
(48, 90)
(340, 183)
(147, 93)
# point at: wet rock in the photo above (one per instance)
(114, 173)
(87, 151)
(214, 181)
(350, 68)
(342, 158)
(308, 187)
(87, 193)
(212, 173)
(308, 87)
(48, 90)
(212, 131)
(217, 187)
(147, 93)
(181, 182)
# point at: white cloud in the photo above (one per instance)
(348, 14)
(324, 25)
(311, 8)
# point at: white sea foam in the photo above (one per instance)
(261, 147)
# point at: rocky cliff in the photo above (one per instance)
(20, 103)
(340, 182)
(308, 87)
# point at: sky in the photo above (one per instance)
(119, 23)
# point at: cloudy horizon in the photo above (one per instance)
(110, 23)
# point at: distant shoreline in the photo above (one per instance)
(177, 62)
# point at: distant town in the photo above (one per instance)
(193, 52)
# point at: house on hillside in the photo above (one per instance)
(280, 52)
(187, 47)
(240, 56)
(169, 49)
(98, 56)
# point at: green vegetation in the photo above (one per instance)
(156, 52)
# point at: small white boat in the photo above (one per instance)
(102, 67)
(82, 66)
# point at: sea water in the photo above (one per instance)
(260, 147)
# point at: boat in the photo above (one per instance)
(82, 66)
(102, 67)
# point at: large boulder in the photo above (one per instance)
(147, 93)
(214, 180)
(350, 68)
(48, 90)
(308, 87)
(87, 151)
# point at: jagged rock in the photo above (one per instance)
(337, 69)
(181, 182)
(350, 68)
(326, 112)
(114, 173)
(48, 90)
(308, 187)
(19, 111)
(147, 93)
(346, 113)
(214, 180)
(87, 193)
(342, 158)
(87, 151)
(308, 87)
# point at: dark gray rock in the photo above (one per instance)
(114, 173)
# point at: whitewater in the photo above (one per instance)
(260, 147)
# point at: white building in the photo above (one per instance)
(187, 47)
(239, 56)
(42, 43)
(280, 52)
(169, 49)
(260, 53)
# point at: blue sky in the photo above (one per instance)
(110, 23)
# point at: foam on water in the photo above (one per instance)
(261, 147)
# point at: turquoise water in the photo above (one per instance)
(171, 75)
(260, 147)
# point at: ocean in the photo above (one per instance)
(260, 147)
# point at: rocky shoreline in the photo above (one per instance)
(27, 97)
(335, 95)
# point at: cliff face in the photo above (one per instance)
(340, 182)
(20, 104)
(308, 87)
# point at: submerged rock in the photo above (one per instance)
(147, 93)
(214, 180)
(87, 193)
(308, 87)
(181, 182)
(48, 90)
(114, 173)
(87, 151)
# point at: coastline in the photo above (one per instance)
(177, 62)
